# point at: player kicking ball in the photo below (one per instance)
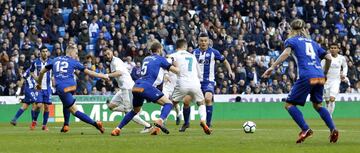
(145, 88)
(30, 96)
(334, 77)
(63, 68)
(188, 82)
(121, 101)
(311, 78)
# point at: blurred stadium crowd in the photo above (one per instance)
(250, 34)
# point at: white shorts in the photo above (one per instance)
(195, 93)
(168, 89)
(331, 89)
(123, 98)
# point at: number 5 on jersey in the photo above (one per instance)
(144, 68)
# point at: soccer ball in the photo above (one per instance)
(249, 127)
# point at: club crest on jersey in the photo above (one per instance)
(207, 55)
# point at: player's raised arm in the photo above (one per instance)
(284, 55)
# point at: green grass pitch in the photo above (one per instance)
(271, 136)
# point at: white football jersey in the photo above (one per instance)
(124, 80)
(189, 69)
(335, 67)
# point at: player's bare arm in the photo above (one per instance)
(94, 74)
(40, 78)
(228, 67)
(327, 63)
(115, 74)
(284, 55)
(174, 69)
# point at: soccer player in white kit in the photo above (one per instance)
(337, 72)
(122, 100)
(188, 82)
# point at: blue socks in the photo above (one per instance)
(66, 114)
(325, 115)
(209, 110)
(83, 117)
(45, 119)
(298, 117)
(18, 114)
(165, 111)
(186, 113)
(127, 118)
(36, 114)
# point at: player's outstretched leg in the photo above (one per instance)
(297, 116)
(128, 117)
(147, 126)
(83, 117)
(19, 113)
(325, 116)
(160, 122)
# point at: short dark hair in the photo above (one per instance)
(155, 46)
(203, 34)
(334, 44)
(105, 49)
(180, 43)
(43, 47)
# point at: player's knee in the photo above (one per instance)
(46, 108)
(137, 109)
(332, 99)
(317, 106)
(287, 106)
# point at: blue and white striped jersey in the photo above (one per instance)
(207, 60)
(36, 67)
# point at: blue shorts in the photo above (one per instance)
(208, 87)
(30, 95)
(44, 96)
(303, 87)
(66, 98)
(142, 91)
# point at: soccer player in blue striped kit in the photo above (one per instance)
(30, 95)
(311, 78)
(152, 73)
(44, 95)
(63, 68)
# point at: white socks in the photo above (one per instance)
(330, 107)
(202, 112)
(137, 119)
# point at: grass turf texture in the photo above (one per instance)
(228, 137)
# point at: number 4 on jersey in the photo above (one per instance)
(310, 50)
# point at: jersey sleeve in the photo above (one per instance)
(32, 67)
(49, 65)
(218, 56)
(79, 66)
(288, 43)
(164, 64)
(321, 52)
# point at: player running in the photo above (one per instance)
(30, 95)
(307, 54)
(188, 82)
(334, 77)
(206, 57)
(44, 95)
(121, 101)
(63, 68)
(145, 88)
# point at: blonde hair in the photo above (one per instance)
(298, 28)
(70, 48)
